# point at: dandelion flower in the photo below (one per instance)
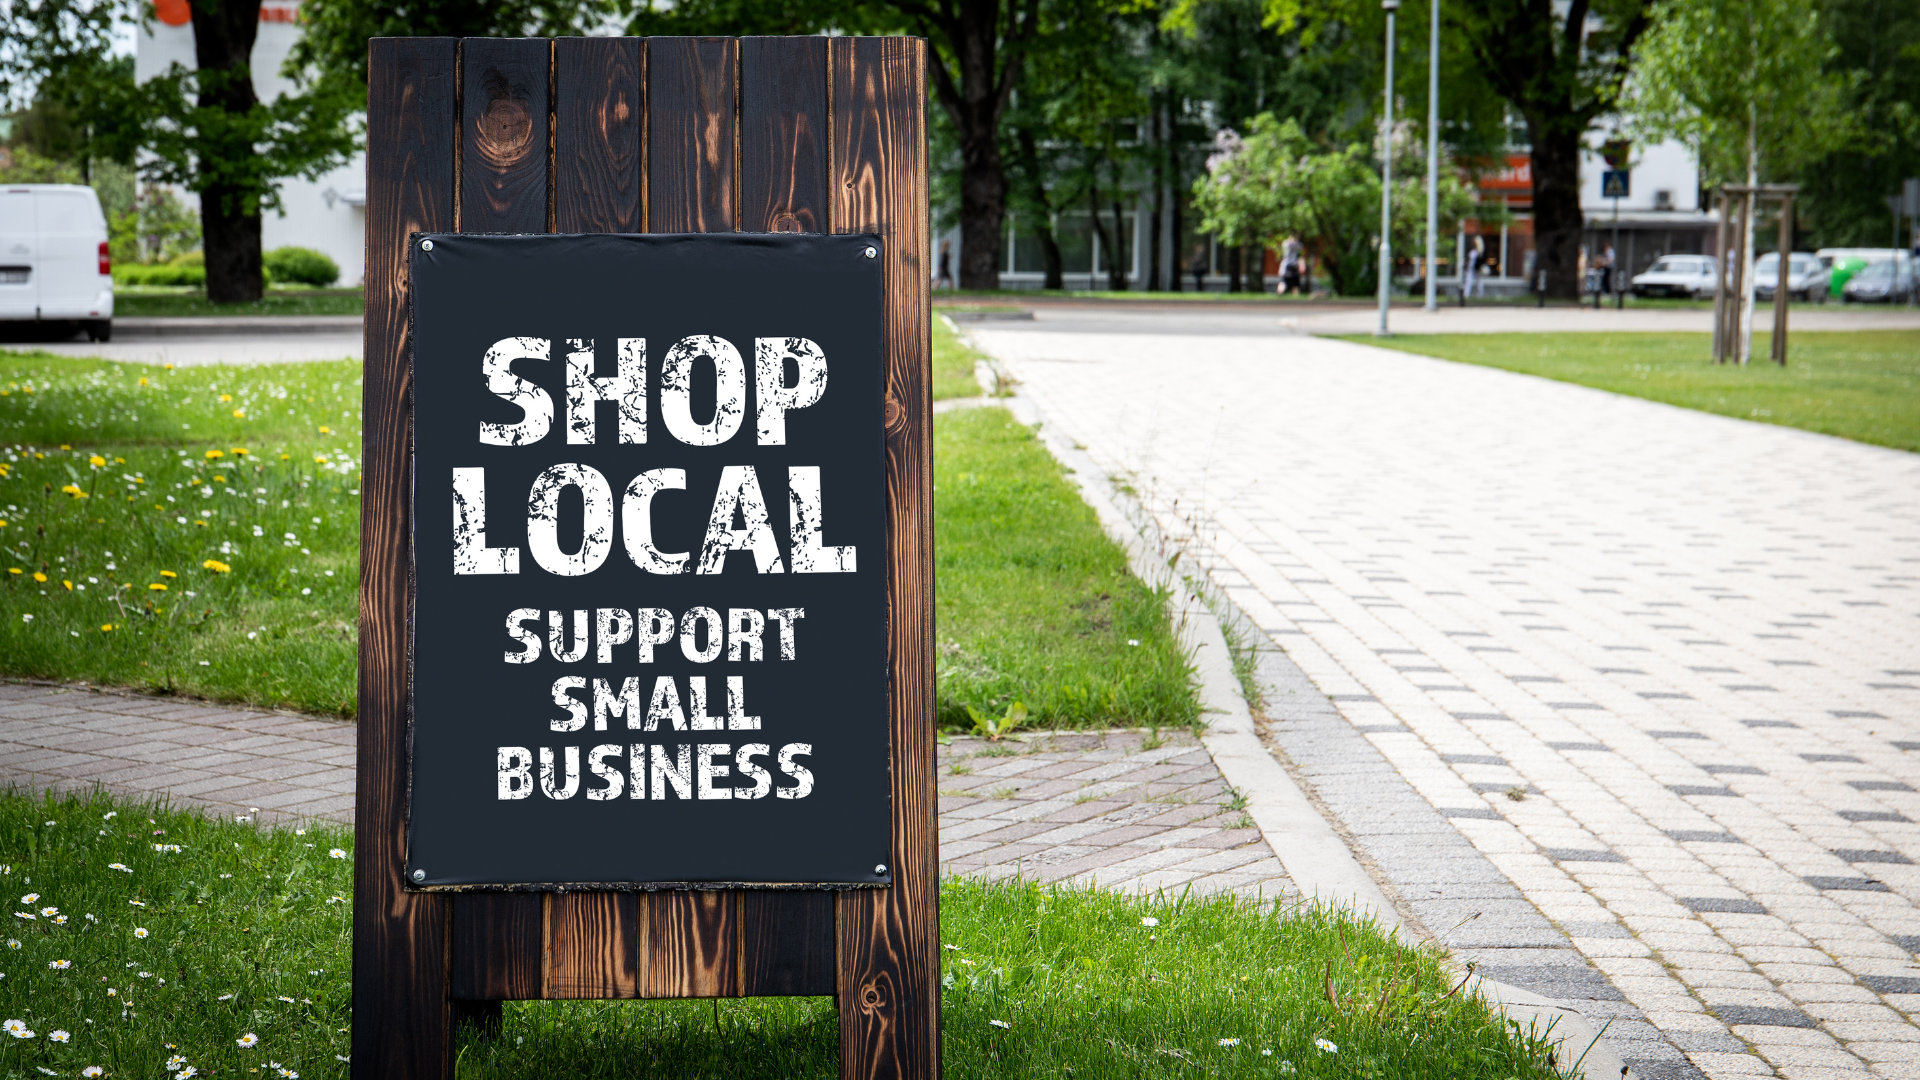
(248, 1041)
(1000, 1024)
(157, 587)
(1149, 921)
(168, 574)
(140, 931)
(59, 965)
(338, 853)
(1326, 1047)
(60, 1036)
(216, 566)
(1229, 1042)
(215, 455)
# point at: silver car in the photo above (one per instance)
(1807, 276)
(1677, 275)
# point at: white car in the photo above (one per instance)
(1807, 276)
(1677, 275)
(54, 266)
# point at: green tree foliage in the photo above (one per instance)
(156, 229)
(203, 129)
(333, 41)
(1278, 183)
(1844, 192)
(1745, 84)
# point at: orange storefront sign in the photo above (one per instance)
(1515, 178)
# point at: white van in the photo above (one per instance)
(54, 266)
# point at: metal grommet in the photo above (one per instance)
(872, 251)
(419, 875)
(426, 245)
(882, 868)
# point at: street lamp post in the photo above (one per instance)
(1433, 160)
(1386, 179)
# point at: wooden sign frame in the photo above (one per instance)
(662, 135)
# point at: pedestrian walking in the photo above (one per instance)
(1292, 266)
(944, 279)
(1468, 273)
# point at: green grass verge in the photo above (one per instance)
(1857, 384)
(953, 361)
(144, 303)
(277, 627)
(1036, 604)
(247, 934)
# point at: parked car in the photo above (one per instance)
(1843, 263)
(1888, 281)
(1677, 275)
(1806, 276)
(54, 266)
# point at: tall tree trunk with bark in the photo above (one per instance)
(985, 45)
(1033, 181)
(223, 36)
(1154, 251)
(1557, 219)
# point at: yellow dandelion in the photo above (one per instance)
(157, 587)
(143, 380)
(216, 566)
(119, 461)
(67, 583)
(226, 397)
(97, 461)
(214, 455)
(319, 459)
(324, 430)
(105, 627)
(3, 524)
(239, 451)
(64, 446)
(168, 574)
(221, 479)
(239, 414)
(40, 577)
(168, 367)
(286, 457)
(15, 570)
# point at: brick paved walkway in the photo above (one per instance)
(1688, 642)
(1097, 809)
(1094, 808)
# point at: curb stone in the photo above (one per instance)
(1319, 862)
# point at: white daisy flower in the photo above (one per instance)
(174, 1063)
(59, 965)
(338, 853)
(49, 912)
(60, 1036)
(1326, 1047)
(140, 931)
(1000, 1024)
(12, 1026)
(122, 867)
(248, 1041)
(92, 1071)
(1149, 921)
(224, 997)
(1229, 1042)
(30, 898)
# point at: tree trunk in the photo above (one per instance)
(1233, 269)
(1033, 180)
(1159, 203)
(223, 35)
(1102, 245)
(1179, 199)
(1119, 262)
(1556, 206)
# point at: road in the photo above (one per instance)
(1660, 668)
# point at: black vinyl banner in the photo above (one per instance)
(649, 545)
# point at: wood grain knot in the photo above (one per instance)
(785, 222)
(896, 414)
(504, 133)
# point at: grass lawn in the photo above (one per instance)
(953, 361)
(231, 950)
(1857, 384)
(134, 303)
(1036, 604)
(256, 554)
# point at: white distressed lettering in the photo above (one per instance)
(739, 493)
(557, 635)
(563, 689)
(770, 356)
(626, 388)
(697, 706)
(701, 622)
(516, 772)
(666, 705)
(744, 627)
(609, 703)
(611, 626)
(786, 617)
(543, 520)
(802, 776)
(548, 782)
(597, 763)
(529, 641)
(762, 780)
(678, 772)
(804, 523)
(710, 771)
(636, 520)
(512, 389)
(676, 390)
(656, 628)
(471, 555)
(737, 718)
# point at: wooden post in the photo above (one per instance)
(1780, 281)
(1719, 277)
(665, 135)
